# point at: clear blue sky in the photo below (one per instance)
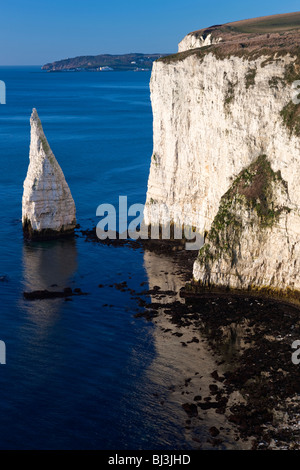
(34, 32)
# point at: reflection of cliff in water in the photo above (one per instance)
(48, 265)
(184, 362)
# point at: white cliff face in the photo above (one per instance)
(213, 117)
(48, 209)
(193, 41)
(208, 126)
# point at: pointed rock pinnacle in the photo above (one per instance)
(48, 209)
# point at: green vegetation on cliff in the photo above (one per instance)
(252, 193)
(291, 117)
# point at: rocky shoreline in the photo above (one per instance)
(248, 396)
(235, 385)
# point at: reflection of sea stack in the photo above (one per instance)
(48, 209)
(48, 266)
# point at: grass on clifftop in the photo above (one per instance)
(267, 24)
(250, 39)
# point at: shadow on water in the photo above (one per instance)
(184, 361)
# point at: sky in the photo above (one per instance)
(34, 32)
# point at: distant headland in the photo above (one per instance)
(105, 62)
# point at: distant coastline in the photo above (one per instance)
(105, 63)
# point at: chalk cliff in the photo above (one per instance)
(201, 38)
(226, 150)
(48, 209)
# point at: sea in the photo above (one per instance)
(84, 373)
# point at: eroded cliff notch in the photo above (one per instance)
(253, 240)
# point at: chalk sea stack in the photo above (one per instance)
(48, 208)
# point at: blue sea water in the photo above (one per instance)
(77, 372)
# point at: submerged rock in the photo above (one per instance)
(46, 294)
(48, 209)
